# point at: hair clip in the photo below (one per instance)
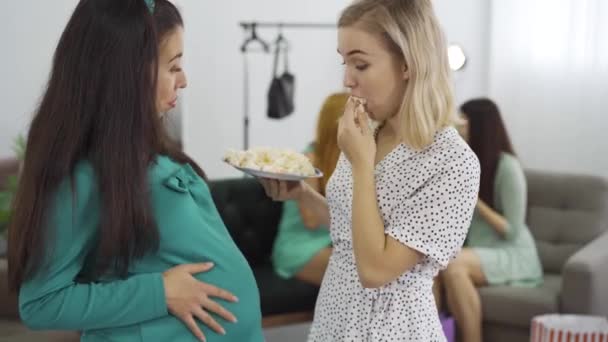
(151, 4)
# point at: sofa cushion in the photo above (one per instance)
(565, 212)
(516, 306)
(252, 218)
(280, 296)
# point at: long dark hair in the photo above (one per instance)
(488, 138)
(99, 105)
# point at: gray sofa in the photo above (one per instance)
(568, 217)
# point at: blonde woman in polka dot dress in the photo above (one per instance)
(402, 196)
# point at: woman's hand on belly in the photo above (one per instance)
(188, 298)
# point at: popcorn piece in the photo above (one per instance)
(233, 156)
(361, 102)
(373, 124)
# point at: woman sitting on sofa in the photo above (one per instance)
(303, 246)
(499, 248)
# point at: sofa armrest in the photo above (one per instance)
(585, 279)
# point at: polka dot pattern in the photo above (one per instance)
(426, 199)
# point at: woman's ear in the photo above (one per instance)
(406, 72)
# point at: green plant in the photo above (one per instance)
(6, 196)
(19, 146)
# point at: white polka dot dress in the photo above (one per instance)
(427, 200)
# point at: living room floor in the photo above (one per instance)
(292, 333)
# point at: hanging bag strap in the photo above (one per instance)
(245, 103)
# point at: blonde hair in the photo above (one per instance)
(326, 150)
(413, 33)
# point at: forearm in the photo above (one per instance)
(316, 205)
(309, 217)
(93, 306)
(496, 220)
(369, 238)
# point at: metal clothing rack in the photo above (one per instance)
(247, 24)
(251, 26)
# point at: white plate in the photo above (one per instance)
(275, 175)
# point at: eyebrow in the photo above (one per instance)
(353, 52)
(179, 55)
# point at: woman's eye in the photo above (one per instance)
(361, 67)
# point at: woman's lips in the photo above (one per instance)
(173, 103)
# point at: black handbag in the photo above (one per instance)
(281, 91)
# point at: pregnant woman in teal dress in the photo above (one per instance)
(114, 232)
(499, 249)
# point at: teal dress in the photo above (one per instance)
(295, 244)
(510, 259)
(134, 309)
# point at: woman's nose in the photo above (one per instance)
(349, 80)
(183, 82)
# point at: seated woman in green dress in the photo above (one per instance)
(499, 249)
(303, 246)
(114, 231)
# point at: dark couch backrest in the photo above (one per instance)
(565, 212)
(252, 218)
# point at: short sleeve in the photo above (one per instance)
(436, 218)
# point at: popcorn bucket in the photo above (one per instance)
(569, 328)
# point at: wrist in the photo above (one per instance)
(362, 163)
(304, 192)
(363, 171)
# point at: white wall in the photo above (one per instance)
(29, 31)
(466, 22)
(550, 78)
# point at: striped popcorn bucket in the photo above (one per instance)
(569, 328)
